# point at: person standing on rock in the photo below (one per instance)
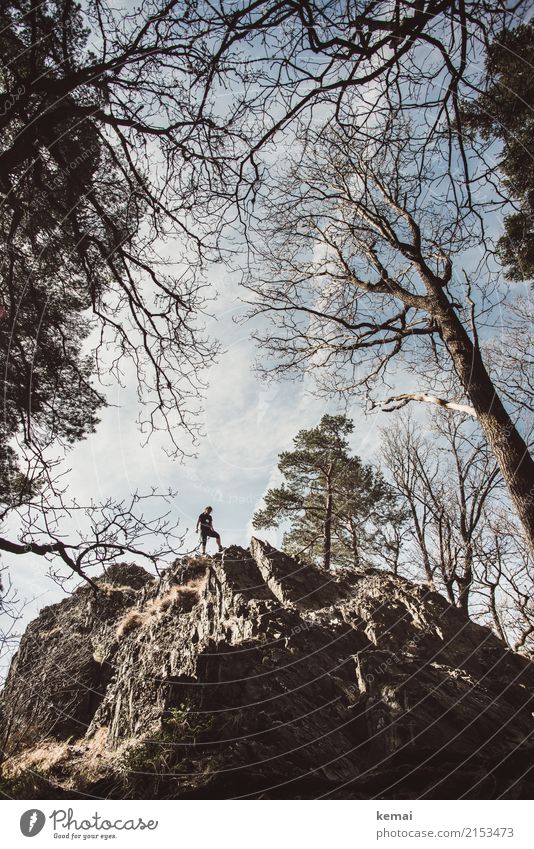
(205, 524)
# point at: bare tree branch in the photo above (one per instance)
(396, 402)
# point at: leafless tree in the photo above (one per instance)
(510, 356)
(503, 589)
(355, 265)
(123, 128)
(84, 212)
(11, 611)
(447, 480)
(467, 542)
(83, 217)
(105, 532)
(406, 454)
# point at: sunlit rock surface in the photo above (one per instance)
(254, 675)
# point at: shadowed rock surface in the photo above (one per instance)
(254, 675)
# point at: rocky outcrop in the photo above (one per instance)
(254, 675)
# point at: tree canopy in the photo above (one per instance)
(83, 212)
(136, 140)
(505, 111)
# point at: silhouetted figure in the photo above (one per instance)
(205, 524)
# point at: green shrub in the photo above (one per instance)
(158, 763)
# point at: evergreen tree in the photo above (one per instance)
(505, 110)
(335, 505)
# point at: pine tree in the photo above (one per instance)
(335, 505)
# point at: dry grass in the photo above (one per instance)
(43, 635)
(187, 596)
(184, 596)
(86, 760)
(108, 588)
(165, 601)
(131, 620)
(196, 582)
(99, 653)
(45, 755)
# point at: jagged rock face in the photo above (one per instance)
(253, 675)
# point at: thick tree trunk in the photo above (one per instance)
(422, 544)
(466, 530)
(495, 614)
(464, 581)
(510, 449)
(355, 546)
(447, 564)
(327, 537)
